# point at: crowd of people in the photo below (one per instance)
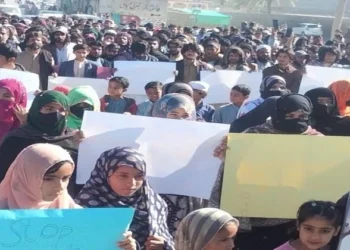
(39, 147)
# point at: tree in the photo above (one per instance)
(266, 3)
(339, 14)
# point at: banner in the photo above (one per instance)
(179, 154)
(67, 229)
(30, 81)
(270, 176)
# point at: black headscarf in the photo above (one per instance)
(255, 117)
(268, 82)
(325, 118)
(291, 103)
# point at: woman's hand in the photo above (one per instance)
(21, 113)
(79, 136)
(155, 242)
(220, 151)
(129, 243)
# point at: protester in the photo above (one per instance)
(341, 89)
(284, 69)
(60, 46)
(63, 89)
(119, 180)
(81, 99)
(175, 46)
(318, 222)
(206, 228)
(325, 115)
(79, 67)
(116, 101)
(204, 111)
(36, 60)
(140, 52)
(153, 92)
(13, 102)
(233, 60)
(95, 55)
(31, 181)
(212, 54)
(228, 113)
(8, 57)
(270, 86)
(327, 56)
(263, 60)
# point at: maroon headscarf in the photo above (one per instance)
(8, 119)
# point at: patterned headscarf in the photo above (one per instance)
(169, 102)
(151, 210)
(199, 227)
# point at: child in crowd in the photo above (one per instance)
(154, 92)
(115, 101)
(228, 113)
(204, 111)
(317, 223)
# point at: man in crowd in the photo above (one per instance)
(8, 56)
(60, 46)
(36, 60)
(174, 47)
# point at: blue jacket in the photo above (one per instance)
(67, 69)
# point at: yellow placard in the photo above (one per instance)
(270, 176)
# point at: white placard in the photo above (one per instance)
(141, 73)
(30, 81)
(179, 153)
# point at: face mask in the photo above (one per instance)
(79, 111)
(51, 119)
(271, 93)
(323, 110)
(6, 110)
(295, 126)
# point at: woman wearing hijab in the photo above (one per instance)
(341, 89)
(63, 89)
(46, 123)
(206, 228)
(290, 116)
(119, 180)
(325, 117)
(81, 99)
(181, 107)
(13, 101)
(31, 181)
(270, 86)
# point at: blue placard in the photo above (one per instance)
(69, 229)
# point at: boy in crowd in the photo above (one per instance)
(8, 57)
(228, 113)
(154, 92)
(204, 111)
(80, 67)
(115, 101)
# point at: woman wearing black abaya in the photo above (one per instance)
(325, 116)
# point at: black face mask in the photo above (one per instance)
(270, 93)
(79, 111)
(321, 110)
(294, 126)
(51, 119)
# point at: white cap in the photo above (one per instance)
(199, 85)
(62, 29)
